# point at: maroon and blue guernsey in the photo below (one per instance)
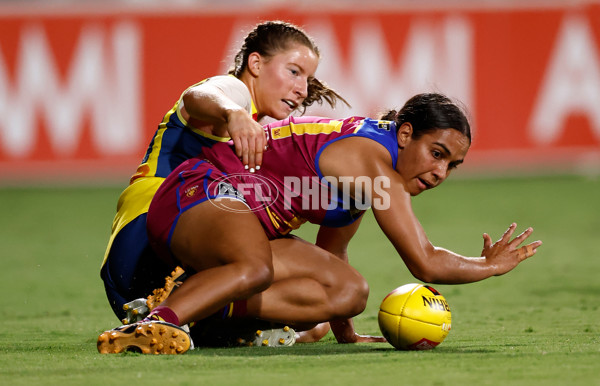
(286, 191)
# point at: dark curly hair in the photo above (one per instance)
(428, 112)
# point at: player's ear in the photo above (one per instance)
(254, 63)
(404, 134)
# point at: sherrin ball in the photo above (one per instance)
(414, 317)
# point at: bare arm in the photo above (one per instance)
(210, 108)
(335, 241)
(364, 157)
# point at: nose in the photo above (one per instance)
(440, 172)
(301, 88)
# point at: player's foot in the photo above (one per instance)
(214, 332)
(136, 310)
(276, 337)
(146, 337)
(159, 295)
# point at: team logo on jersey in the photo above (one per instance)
(190, 192)
(384, 125)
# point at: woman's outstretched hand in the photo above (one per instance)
(505, 253)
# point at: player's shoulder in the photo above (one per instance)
(226, 81)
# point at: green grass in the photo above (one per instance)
(537, 325)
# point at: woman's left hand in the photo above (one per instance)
(367, 339)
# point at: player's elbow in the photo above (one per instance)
(424, 265)
(188, 98)
(195, 101)
(424, 272)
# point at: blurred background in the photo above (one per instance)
(84, 84)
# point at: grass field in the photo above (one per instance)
(538, 325)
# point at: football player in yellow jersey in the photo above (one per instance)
(273, 75)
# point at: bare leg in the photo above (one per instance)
(230, 253)
(310, 285)
(286, 280)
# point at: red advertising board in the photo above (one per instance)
(82, 91)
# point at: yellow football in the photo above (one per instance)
(414, 317)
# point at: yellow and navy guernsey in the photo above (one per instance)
(175, 141)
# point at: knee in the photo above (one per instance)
(354, 298)
(360, 290)
(254, 277)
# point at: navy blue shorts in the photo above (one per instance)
(132, 269)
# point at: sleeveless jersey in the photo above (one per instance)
(174, 142)
(289, 188)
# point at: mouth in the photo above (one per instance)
(293, 105)
(424, 184)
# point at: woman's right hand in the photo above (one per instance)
(249, 138)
